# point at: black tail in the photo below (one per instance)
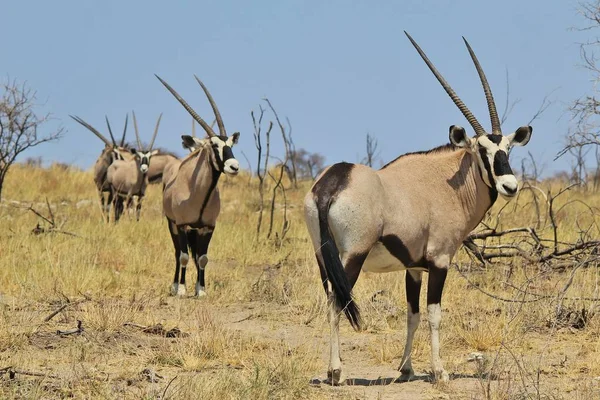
(336, 273)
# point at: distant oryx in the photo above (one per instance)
(412, 214)
(191, 198)
(128, 178)
(110, 153)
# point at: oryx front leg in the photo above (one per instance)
(184, 259)
(199, 241)
(413, 317)
(435, 287)
(177, 289)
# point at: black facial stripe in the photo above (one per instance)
(495, 138)
(486, 164)
(144, 160)
(501, 165)
(227, 153)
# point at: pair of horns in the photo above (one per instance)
(101, 136)
(137, 133)
(194, 114)
(459, 103)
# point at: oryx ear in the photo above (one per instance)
(154, 152)
(459, 137)
(133, 151)
(188, 142)
(521, 136)
(234, 138)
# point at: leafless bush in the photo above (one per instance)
(20, 124)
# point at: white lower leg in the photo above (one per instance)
(434, 315)
(412, 323)
(202, 261)
(334, 373)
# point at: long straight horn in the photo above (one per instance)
(193, 128)
(155, 132)
(214, 107)
(496, 130)
(124, 131)
(459, 103)
(110, 131)
(92, 129)
(189, 109)
(137, 133)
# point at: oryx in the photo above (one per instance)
(128, 178)
(111, 152)
(191, 200)
(412, 214)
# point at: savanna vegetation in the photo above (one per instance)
(512, 328)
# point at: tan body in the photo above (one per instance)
(411, 215)
(187, 184)
(125, 178)
(157, 166)
(103, 162)
(191, 200)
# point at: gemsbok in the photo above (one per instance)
(128, 178)
(412, 214)
(111, 152)
(191, 200)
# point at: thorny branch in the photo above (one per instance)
(548, 254)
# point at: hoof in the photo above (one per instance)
(441, 376)
(335, 378)
(200, 291)
(177, 290)
(406, 375)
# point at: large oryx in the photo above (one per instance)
(128, 178)
(412, 214)
(111, 152)
(191, 200)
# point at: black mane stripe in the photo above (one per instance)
(439, 149)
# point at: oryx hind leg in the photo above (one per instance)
(352, 266)
(138, 207)
(435, 286)
(413, 317)
(199, 241)
(176, 288)
(118, 206)
(105, 204)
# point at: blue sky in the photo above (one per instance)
(337, 69)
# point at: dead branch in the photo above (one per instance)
(52, 228)
(75, 331)
(63, 307)
(159, 330)
(13, 372)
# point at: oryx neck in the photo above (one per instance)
(475, 196)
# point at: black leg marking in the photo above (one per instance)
(203, 242)
(354, 266)
(322, 271)
(435, 284)
(118, 200)
(413, 291)
(138, 207)
(175, 239)
(183, 248)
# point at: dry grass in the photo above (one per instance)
(261, 332)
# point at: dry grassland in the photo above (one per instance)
(261, 333)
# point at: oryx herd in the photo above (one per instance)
(412, 214)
